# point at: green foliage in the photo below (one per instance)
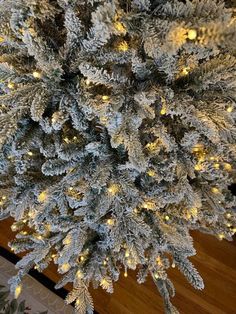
(117, 136)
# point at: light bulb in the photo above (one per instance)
(198, 148)
(158, 260)
(11, 85)
(192, 34)
(79, 274)
(230, 109)
(198, 167)
(167, 218)
(215, 190)
(105, 98)
(125, 274)
(87, 82)
(127, 253)
(42, 197)
(110, 222)
(228, 215)
(216, 165)
(4, 197)
(123, 46)
(156, 276)
(67, 241)
(185, 71)
(82, 258)
(37, 75)
(14, 228)
(227, 166)
(148, 205)
(221, 236)
(120, 27)
(65, 267)
(163, 111)
(151, 173)
(104, 262)
(173, 265)
(151, 146)
(113, 189)
(18, 291)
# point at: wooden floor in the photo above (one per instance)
(216, 262)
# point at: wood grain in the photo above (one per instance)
(215, 260)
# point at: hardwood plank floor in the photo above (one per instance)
(215, 260)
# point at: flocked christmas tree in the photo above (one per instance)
(117, 136)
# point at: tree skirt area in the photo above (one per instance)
(38, 298)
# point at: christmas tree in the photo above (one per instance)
(117, 136)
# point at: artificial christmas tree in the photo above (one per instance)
(117, 136)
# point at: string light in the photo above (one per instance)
(227, 166)
(229, 225)
(4, 197)
(198, 148)
(105, 98)
(2, 40)
(32, 214)
(230, 109)
(77, 302)
(173, 265)
(198, 167)
(65, 139)
(18, 291)
(79, 274)
(127, 253)
(148, 204)
(228, 215)
(14, 227)
(87, 82)
(82, 258)
(110, 222)
(71, 188)
(65, 267)
(151, 173)
(104, 262)
(120, 27)
(163, 111)
(135, 210)
(42, 197)
(37, 75)
(125, 274)
(123, 46)
(216, 166)
(156, 276)
(113, 189)
(11, 85)
(192, 34)
(151, 146)
(185, 71)
(158, 261)
(215, 190)
(167, 218)
(221, 236)
(30, 153)
(67, 241)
